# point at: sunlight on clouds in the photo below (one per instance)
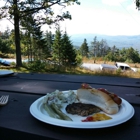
(102, 22)
(2, 3)
(113, 2)
(4, 24)
(133, 8)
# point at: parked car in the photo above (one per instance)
(118, 65)
(124, 67)
(108, 67)
(4, 62)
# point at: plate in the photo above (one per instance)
(125, 113)
(5, 72)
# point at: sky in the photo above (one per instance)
(108, 17)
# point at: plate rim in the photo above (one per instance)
(86, 125)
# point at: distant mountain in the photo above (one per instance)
(119, 41)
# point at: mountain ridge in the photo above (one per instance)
(120, 41)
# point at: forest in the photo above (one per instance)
(59, 49)
(27, 40)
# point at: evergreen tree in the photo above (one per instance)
(17, 10)
(49, 38)
(94, 46)
(57, 47)
(27, 43)
(132, 55)
(35, 38)
(69, 53)
(4, 46)
(103, 47)
(39, 43)
(5, 41)
(84, 48)
(137, 4)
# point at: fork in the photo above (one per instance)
(4, 100)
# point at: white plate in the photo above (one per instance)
(125, 113)
(5, 72)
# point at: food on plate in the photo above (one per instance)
(62, 115)
(51, 112)
(86, 101)
(87, 94)
(82, 109)
(115, 98)
(97, 117)
(53, 102)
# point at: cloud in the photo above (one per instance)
(2, 3)
(132, 7)
(113, 2)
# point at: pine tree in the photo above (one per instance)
(57, 47)
(49, 38)
(69, 53)
(84, 48)
(17, 10)
(33, 31)
(94, 46)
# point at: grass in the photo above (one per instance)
(47, 68)
(129, 74)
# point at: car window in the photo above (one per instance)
(122, 67)
(127, 68)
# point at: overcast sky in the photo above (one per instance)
(109, 17)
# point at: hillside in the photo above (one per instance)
(118, 41)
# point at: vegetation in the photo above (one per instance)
(39, 48)
(137, 4)
(101, 49)
(84, 49)
(54, 53)
(47, 52)
(26, 11)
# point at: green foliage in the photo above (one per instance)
(49, 38)
(132, 55)
(69, 53)
(33, 39)
(98, 48)
(3, 46)
(36, 65)
(63, 51)
(118, 72)
(57, 47)
(101, 49)
(5, 42)
(137, 4)
(21, 11)
(79, 59)
(84, 48)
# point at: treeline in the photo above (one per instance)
(101, 49)
(58, 48)
(38, 46)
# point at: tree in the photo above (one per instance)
(84, 48)
(18, 9)
(5, 41)
(137, 4)
(94, 46)
(132, 55)
(49, 38)
(33, 38)
(103, 47)
(4, 48)
(68, 51)
(57, 47)
(5, 34)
